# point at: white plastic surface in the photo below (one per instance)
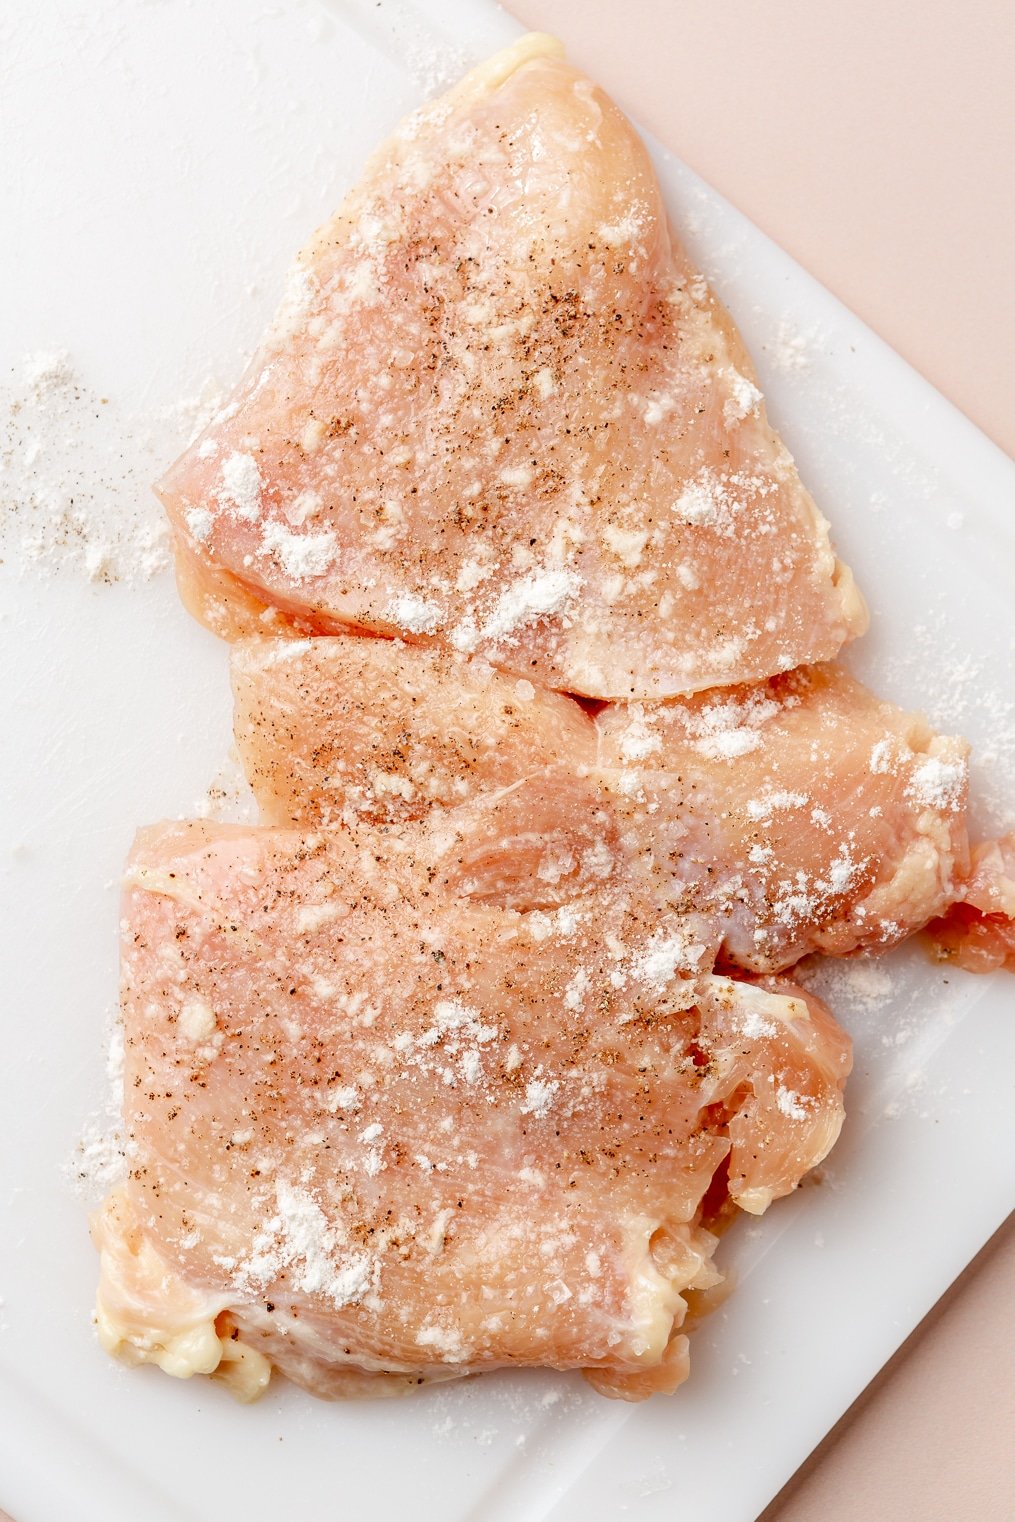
(165, 160)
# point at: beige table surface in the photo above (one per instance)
(875, 141)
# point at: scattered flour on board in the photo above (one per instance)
(897, 1007)
(98, 1161)
(75, 474)
(792, 351)
(461, 1411)
(963, 698)
(434, 62)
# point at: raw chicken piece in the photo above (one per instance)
(500, 410)
(978, 932)
(805, 812)
(381, 1134)
(548, 839)
(835, 820)
(147, 1313)
(366, 729)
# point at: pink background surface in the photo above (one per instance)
(875, 141)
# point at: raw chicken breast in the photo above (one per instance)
(500, 410)
(369, 729)
(835, 820)
(805, 813)
(978, 932)
(381, 1134)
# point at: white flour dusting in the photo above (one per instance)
(530, 598)
(414, 614)
(98, 1162)
(434, 62)
(301, 556)
(963, 696)
(792, 351)
(539, 1094)
(239, 489)
(298, 1238)
(75, 474)
(938, 784)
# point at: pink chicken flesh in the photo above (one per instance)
(978, 932)
(382, 1134)
(438, 1069)
(807, 814)
(501, 411)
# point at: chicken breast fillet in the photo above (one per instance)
(501, 411)
(805, 813)
(381, 1134)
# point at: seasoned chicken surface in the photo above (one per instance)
(463, 1056)
(806, 813)
(978, 931)
(501, 411)
(381, 1129)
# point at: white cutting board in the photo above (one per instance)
(161, 162)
